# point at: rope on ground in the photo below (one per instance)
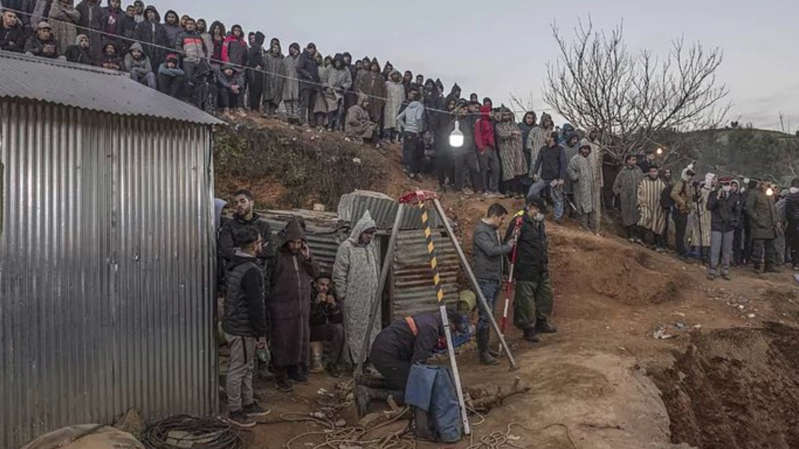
(182, 431)
(500, 440)
(334, 437)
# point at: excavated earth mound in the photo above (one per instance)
(736, 388)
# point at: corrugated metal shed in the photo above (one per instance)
(91, 88)
(412, 288)
(383, 209)
(106, 254)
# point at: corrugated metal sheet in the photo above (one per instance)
(89, 88)
(412, 288)
(106, 267)
(383, 209)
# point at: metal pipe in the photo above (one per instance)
(387, 262)
(456, 375)
(470, 274)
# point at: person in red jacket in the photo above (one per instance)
(487, 152)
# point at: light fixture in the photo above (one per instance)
(769, 192)
(456, 136)
(659, 151)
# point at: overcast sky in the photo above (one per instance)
(497, 47)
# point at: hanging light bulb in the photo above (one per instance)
(769, 192)
(456, 136)
(659, 151)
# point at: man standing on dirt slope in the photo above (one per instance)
(581, 175)
(534, 296)
(652, 219)
(682, 193)
(289, 307)
(792, 217)
(626, 187)
(761, 209)
(487, 261)
(724, 207)
(244, 324)
(552, 162)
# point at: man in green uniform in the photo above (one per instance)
(533, 301)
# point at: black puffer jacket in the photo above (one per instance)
(725, 211)
(532, 259)
(245, 307)
(399, 342)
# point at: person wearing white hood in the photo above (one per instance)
(410, 122)
(355, 278)
(700, 230)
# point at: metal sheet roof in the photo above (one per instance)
(89, 88)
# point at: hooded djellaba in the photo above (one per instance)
(395, 95)
(510, 148)
(355, 277)
(289, 301)
(371, 84)
(63, 18)
(273, 81)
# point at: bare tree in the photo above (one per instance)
(632, 98)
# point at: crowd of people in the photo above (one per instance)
(721, 221)
(224, 71)
(317, 322)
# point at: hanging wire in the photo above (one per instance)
(239, 66)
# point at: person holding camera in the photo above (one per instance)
(724, 207)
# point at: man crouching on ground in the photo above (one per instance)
(244, 324)
(533, 300)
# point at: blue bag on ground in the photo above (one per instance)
(431, 391)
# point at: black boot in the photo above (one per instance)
(544, 327)
(486, 358)
(529, 335)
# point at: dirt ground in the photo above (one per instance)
(724, 373)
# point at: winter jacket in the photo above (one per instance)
(308, 72)
(488, 252)
(255, 54)
(682, 193)
(113, 21)
(245, 308)
(226, 247)
(35, 46)
(531, 253)
(152, 33)
(339, 80)
(412, 118)
(724, 211)
(400, 342)
(323, 312)
(763, 214)
(191, 45)
(166, 71)
(172, 31)
(76, 53)
(12, 39)
(234, 50)
(552, 163)
(137, 66)
(226, 82)
(484, 131)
